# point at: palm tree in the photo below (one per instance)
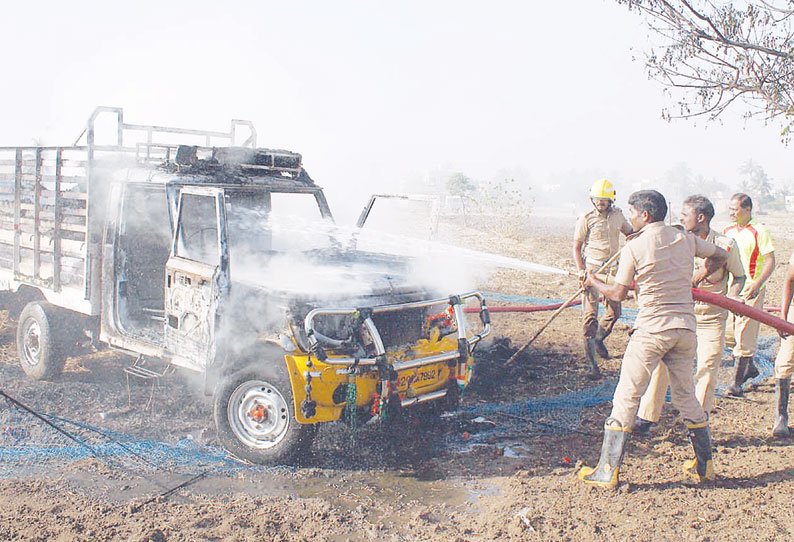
(756, 182)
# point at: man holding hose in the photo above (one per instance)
(660, 260)
(696, 215)
(595, 240)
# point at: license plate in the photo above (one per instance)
(423, 377)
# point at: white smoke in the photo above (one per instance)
(300, 264)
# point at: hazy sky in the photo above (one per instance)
(372, 93)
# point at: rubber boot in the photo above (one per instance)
(589, 352)
(700, 469)
(740, 368)
(752, 370)
(782, 388)
(605, 474)
(600, 347)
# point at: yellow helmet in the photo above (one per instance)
(602, 189)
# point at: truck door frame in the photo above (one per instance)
(195, 289)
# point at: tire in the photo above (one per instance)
(278, 438)
(39, 350)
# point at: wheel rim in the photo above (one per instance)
(31, 344)
(258, 414)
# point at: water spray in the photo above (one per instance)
(562, 308)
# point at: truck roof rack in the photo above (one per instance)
(161, 145)
(158, 144)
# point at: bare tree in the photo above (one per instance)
(719, 53)
(462, 187)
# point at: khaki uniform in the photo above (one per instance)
(741, 332)
(710, 336)
(754, 243)
(660, 260)
(600, 234)
(784, 361)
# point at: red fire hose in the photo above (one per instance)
(529, 308)
(745, 310)
(698, 295)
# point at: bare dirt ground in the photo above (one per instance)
(420, 482)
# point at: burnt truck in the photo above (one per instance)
(197, 250)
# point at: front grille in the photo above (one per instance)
(400, 328)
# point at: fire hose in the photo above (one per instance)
(732, 305)
(526, 308)
(737, 307)
(554, 306)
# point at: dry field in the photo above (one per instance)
(422, 483)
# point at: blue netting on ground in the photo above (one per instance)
(29, 444)
(545, 415)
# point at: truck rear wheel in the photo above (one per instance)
(255, 416)
(39, 352)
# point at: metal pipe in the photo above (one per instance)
(421, 362)
(350, 361)
(186, 131)
(481, 335)
(424, 398)
(380, 349)
(420, 304)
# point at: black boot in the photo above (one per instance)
(700, 469)
(782, 388)
(752, 370)
(600, 347)
(605, 474)
(740, 368)
(589, 352)
(642, 427)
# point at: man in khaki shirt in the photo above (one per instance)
(696, 216)
(595, 240)
(660, 260)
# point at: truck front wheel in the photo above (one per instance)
(39, 353)
(255, 418)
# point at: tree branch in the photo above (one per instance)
(702, 18)
(718, 54)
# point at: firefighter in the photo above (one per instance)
(595, 240)
(758, 259)
(696, 215)
(784, 361)
(660, 259)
